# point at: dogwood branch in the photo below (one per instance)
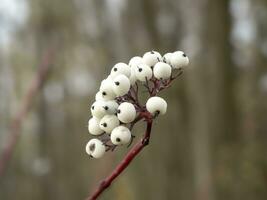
(137, 148)
(26, 104)
(156, 87)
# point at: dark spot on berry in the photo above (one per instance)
(118, 139)
(106, 107)
(118, 111)
(104, 93)
(93, 107)
(184, 55)
(140, 69)
(117, 83)
(151, 67)
(92, 147)
(115, 69)
(104, 124)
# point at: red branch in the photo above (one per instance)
(26, 104)
(126, 160)
(157, 86)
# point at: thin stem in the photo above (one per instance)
(104, 184)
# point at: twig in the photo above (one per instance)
(26, 104)
(157, 86)
(125, 162)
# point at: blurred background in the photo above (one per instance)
(212, 144)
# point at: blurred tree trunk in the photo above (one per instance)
(210, 86)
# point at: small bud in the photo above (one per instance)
(162, 70)
(109, 122)
(95, 148)
(127, 112)
(120, 135)
(121, 85)
(151, 58)
(143, 72)
(156, 105)
(120, 68)
(93, 126)
(179, 60)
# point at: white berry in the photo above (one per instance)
(93, 126)
(98, 110)
(135, 61)
(179, 60)
(156, 105)
(121, 85)
(151, 58)
(133, 76)
(120, 135)
(95, 148)
(167, 58)
(106, 90)
(126, 112)
(109, 122)
(162, 70)
(143, 72)
(98, 96)
(110, 106)
(120, 68)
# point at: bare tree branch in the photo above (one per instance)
(26, 104)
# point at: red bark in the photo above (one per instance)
(137, 148)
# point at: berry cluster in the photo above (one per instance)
(117, 108)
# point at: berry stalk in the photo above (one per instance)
(137, 148)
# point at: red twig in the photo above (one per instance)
(26, 104)
(126, 160)
(157, 86)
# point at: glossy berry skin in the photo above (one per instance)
(120, 68)
(179, 60)
(109, 122)
(121, 85)
(162, 70)
(143, 72)
(156, 106)
(126, 112)
(120, 135)
(151, 58)
(95, 148)
(93, 126)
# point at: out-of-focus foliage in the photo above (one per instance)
(212, 143)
